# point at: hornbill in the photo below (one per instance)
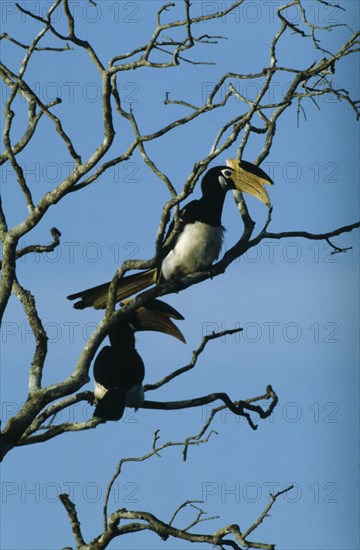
(200, 233)
(118, 369)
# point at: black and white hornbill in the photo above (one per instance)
(118, 369)
(200, 235)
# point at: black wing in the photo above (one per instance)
(112, 405)
(113, 369)
(188, 214)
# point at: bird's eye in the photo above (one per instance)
(227, 173)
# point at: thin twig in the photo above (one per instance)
(207, 338)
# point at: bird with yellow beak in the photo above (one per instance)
(200, 234)
(119, 369)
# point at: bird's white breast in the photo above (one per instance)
(198, 246)
(99, 391)
(134, 397)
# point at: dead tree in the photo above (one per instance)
(170, 45)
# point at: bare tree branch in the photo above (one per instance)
(172, 42)
(261, 518)
(270, 394)
(28, 302)
(40, 248)
(239, 408)
(34, 118)
(156, 449)
(307, 82)
(207, 338)
(75, 523)
(51, 412)
(36, 48)
(112, 528)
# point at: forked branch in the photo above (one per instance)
(114, 526)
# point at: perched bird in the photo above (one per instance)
(118, 369)
(200, 235)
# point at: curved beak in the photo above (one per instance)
(157, 321)
(163, 307)
(156, 316)
(250, 179)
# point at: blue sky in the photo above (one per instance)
(298, 305)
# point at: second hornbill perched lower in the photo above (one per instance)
(119, 369)
(200, 236)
